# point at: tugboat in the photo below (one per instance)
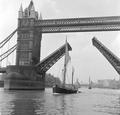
(65, 88)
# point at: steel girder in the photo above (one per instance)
(50, 60)
(113, 59)
(111, 23)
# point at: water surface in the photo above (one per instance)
(89, 102)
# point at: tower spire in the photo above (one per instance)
(40, 16)
(20, 15)
(21, 8)
(31, 5)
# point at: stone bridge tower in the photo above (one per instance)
(24, 75)
(29, 39)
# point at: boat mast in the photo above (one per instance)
(89, 82)
(72, 74)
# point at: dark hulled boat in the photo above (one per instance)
(64, 88)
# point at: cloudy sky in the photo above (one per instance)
(86, 59)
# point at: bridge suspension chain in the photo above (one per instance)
(8, 52)
(7, 39)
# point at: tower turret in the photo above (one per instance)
(29, 38)
(40, 16)
(32, 12)
(20, 14)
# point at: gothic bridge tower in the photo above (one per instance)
(23, 75)
(29, 39)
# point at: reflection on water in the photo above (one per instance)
(21, 102)
(89, 102)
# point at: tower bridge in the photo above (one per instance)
(29, 71)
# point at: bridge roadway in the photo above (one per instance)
(112, 58)
(50, 60)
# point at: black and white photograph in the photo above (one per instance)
(59, 57)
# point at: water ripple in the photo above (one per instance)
(89, 102)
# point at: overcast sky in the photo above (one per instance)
(86, 59)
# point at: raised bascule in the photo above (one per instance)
(112, 58)
(29, 71)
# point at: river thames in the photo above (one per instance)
(89, 102)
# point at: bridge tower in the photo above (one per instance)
(24, 75)
(29, 71)
(29, 39)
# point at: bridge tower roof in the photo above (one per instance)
(21, 8)
(31, 6)
(28, 12)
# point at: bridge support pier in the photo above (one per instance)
(23, 78)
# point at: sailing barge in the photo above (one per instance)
(64, 88)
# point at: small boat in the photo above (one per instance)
(66, 88)
(90, 85)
